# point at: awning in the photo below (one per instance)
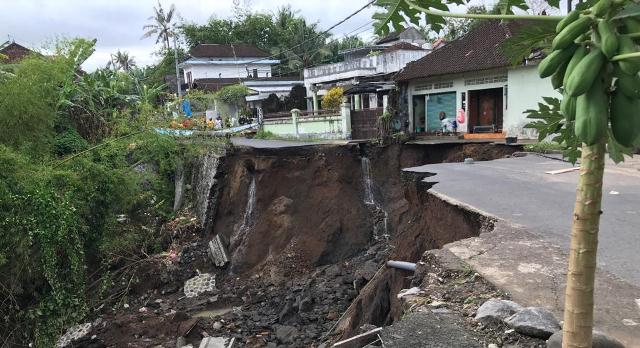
(369, 87)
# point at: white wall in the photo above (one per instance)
(526, 90)
(227, 71)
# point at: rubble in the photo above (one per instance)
(74, 333)
(200, 284)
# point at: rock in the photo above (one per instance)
(213, 342)
(534, 322)
(495, 310)
(305, 305)
(600, 340)
(333, 271)
(217, 325)
(286, 334)
(367, 271)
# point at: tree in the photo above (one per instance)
(161, 25)
(593, 48)
(121, 61)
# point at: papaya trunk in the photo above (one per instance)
(578, 307)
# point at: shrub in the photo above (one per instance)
(333, 98)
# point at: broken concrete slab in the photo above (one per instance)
(534, 322)
(74, 333)
(214, 342)
(496, 310)
(218, 252)
(599, 340)
(511, 258)
(199, 284)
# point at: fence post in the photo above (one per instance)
(345, 113)
(295, 113)
(316, 105)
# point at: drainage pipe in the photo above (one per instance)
(407, 266)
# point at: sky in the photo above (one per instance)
(117, 24)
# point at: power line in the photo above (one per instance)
(317, 35)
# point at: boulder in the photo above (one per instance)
(535, 322)
(600, 340)
(286, 334)
(496, 310)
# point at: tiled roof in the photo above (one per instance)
(477, 50)
(403, 46)
(227, 51)
(14, 52)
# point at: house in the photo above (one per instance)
(13, 52)
(213, 66)
(366, 75)
(471, 78)
(368, 69)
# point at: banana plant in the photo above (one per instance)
(594, 62)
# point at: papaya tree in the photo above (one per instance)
(594, 62)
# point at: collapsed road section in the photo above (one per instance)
(288, 246)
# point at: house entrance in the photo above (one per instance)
(485, 110)
(428, 108)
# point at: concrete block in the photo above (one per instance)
(218, 252)
(214, 342)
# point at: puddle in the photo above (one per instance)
(212, 313)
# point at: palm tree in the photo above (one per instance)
(161, 25)
(121, 61)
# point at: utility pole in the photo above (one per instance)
(175, 53)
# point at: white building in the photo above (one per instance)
(213, 66)
(471, 80)
(236, 61)
(366, 69)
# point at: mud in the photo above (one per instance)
(306, 252)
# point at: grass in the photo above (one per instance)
(544, 147)
(267, 135)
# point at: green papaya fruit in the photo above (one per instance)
(571, 32)
(585, 73)
(580, 53)
(608, 38)
(625, 119)
(558, 76)
(551, 63)
(629, 85)
(568, 107)
(570, 18)
(592, 109)
(601, 8)
(629, 66)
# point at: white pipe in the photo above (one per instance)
(407, 266)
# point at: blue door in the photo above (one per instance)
(437, 104)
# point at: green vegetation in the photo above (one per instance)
(333, 98)
(544, 147)
(59, 203)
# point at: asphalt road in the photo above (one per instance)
(518, 190)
